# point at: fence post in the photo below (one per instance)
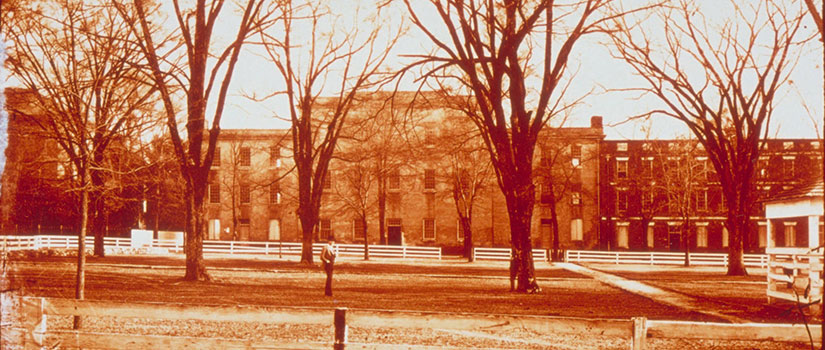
(340, 328)
(637, 342)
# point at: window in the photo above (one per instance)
(325, 228)
(358, 228)
(275, 193)
(647, 200)
(702, 235)
(575, 162)
(622, 234)
(215, 192)
(275, 156)
(214, 229)
(701, 200)
(650, 235)
(246, 156)
(246, 195)
(725, 236)
(395, 180)
(576, 233)
(647, 166)
(621, 201)
(274, 230)
(621, 168)
(790, 234)
(621, 147)
(460, 232)
(788, 168)
(762, 167)
(575, 155)
(815, 144)
(763, 234)
(429, 179)
(787, 145)
(216, 160)
(576, 198)
(429, 229)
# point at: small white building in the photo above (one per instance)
(794, 244)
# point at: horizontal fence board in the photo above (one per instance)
(732, 331)
(661, 258)
(88, 340)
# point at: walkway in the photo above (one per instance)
(656, 294)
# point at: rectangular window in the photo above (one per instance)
(621, 201)
(762, 167)
(325, 228)
(576, 233)
(274, 230)
(701, 235)
(395, 180)
(621, 168)
(647, 166)
(621, 147)
(429, 229)
(246, 195)
(460, 232)
(246, 156)
(647, 200)
(725, 236)
(429, 179)
(576, 151)
(788, 166)
(622, 234)
(275, 193)
(787, 145)
(650, 235)
(275, 156)
(215, 192)
(216, 159)
(763, 234)
(358, 229)
(429, 137)
(701, 200)
(790, 234)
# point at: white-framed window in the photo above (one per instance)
(576, 230)
(246, 193)
(215, 192)
(394, 181)
(621, 147)
(429, 229)
(429, 179)
(621, 167)
(576, 198)
(701, 234)
(358, 228)
(246, 156)
(214, 231)
(790, 234)
(275, 193)
(651, 237)
(725, 236)
(216, 159)
(275, 156)
(701, 199)
(621, 201)
(763, 233)
(647, 200)
(622, 239)
(787, 145)
(648, 166)
(325, 228)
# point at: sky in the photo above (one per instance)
(797, 109)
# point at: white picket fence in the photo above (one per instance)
(482, 253)
(660, 258)
(12, 243)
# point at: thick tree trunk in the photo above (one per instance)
(686, 241)
(520, 201)
(736, 259)
(195, 227)
(382, 212)
(466, 226)
(307, 228)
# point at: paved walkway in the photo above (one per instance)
(656, 294)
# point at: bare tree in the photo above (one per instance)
(489, 50)
(356, 56)
(720, 80)
(196, 75)
(77, 60)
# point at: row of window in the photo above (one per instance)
(244, 156)
(704, 169)
(698, 201)
(244, 193)
(786, 145)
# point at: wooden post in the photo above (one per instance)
(340, 328)
(637, 342)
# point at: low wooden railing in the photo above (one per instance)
(30, 329)
(794, 274)
(660, 258)
(482, 253)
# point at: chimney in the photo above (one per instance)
(596, 121)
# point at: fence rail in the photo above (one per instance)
(660, 258)
(794, 274)
(12, 243)
(481, 253)
(31, 331)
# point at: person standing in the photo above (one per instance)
(328, 255)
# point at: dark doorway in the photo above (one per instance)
(675, 239)
(394, 235)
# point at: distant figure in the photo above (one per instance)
(328, 254)
(226, 232)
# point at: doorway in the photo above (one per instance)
(394, 231)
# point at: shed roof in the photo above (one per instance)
(812, 189)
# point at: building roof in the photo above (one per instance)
(812, 189)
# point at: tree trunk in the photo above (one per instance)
(80, 286)
(366, 240)
(307, 228)
(382, 211)
(736, 262)
(195, 227)
(97, 202)
(520, 201)
(466, 226)
(686, 242)
(554, 226)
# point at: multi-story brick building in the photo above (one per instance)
(651, 187)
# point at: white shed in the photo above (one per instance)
(794, 239)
